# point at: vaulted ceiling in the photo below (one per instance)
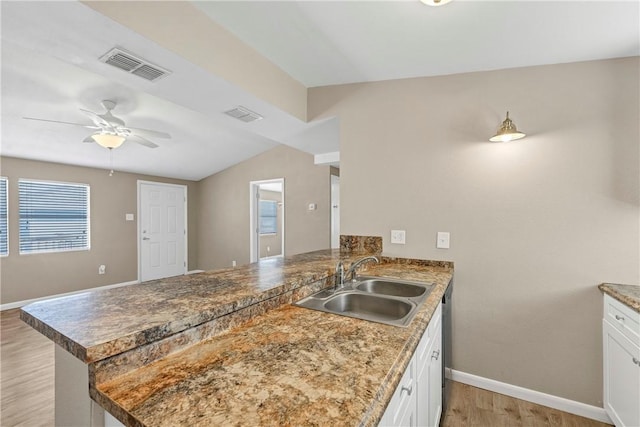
(51, 69)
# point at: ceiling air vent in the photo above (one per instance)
(133, 64)
(244, 114)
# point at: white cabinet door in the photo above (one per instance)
(435, 380)
(402, 406)
(621, 377)
(422, 396)
(417, 400)
(429, 366)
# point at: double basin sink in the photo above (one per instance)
(378, 299)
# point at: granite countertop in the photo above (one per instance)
(626, 294)
(289, 366)
(226, 347)
(99, 324)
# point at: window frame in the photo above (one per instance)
(6, 217)
(86, 247)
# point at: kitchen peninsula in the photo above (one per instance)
(226, 347)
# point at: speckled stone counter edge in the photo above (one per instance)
(626, 294)
(378, 405)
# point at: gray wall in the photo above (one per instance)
(535, 224)
(224, 210)
(219, 204)
(113, 240)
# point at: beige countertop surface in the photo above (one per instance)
(626, 294)
(154, 360)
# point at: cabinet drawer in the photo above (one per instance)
(623, 318)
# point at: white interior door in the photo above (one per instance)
(335, 211)
(162, 230)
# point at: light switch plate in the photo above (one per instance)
(128, 217)
(442, 241)
(398, 237)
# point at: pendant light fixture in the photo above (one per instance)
(435, 2)
(108, 140)
(507, 132)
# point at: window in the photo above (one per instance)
(54, 217)
(268, 217)
(4, 222)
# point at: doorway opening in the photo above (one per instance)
(267, 218)
(335, 212)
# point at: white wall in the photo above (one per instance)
(535, 224)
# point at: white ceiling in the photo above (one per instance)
(50, 69)
(323, 43)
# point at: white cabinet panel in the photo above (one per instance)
(621, 363)
(621, 377)
(417, 400)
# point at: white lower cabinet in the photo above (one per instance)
(417, 400)
(621, 357)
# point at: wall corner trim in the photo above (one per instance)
(555, 402)
(19, 304)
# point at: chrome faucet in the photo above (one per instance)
(352, 270)
(339, 276)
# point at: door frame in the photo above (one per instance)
(254, 254)
(140, 182)
(335, 212)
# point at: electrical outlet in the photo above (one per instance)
(102, 269)
(233, 263)
(398, 237)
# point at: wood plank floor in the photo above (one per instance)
(26, 374)
(27, 390)
(471, 406)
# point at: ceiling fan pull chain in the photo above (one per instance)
(111, 161)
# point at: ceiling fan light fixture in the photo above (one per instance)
(507, 132)
(435, 2)
(108, 140)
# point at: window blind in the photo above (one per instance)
(54, 217)
(4, 222)
(268, 217)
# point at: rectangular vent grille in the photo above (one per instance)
(243, 114)
(133, 64)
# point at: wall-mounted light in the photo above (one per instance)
(507, 132)
(108, 140)
(435, 2)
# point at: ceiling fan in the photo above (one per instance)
(111, 131)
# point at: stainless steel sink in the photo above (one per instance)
(368, 306)
(383, 300)
(391, 287)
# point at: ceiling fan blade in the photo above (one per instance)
(64, 123)
(149, 133)
(142, 141)
(99, 121)
(88, 139)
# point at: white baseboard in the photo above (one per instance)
(555, 402)
(19, 304)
